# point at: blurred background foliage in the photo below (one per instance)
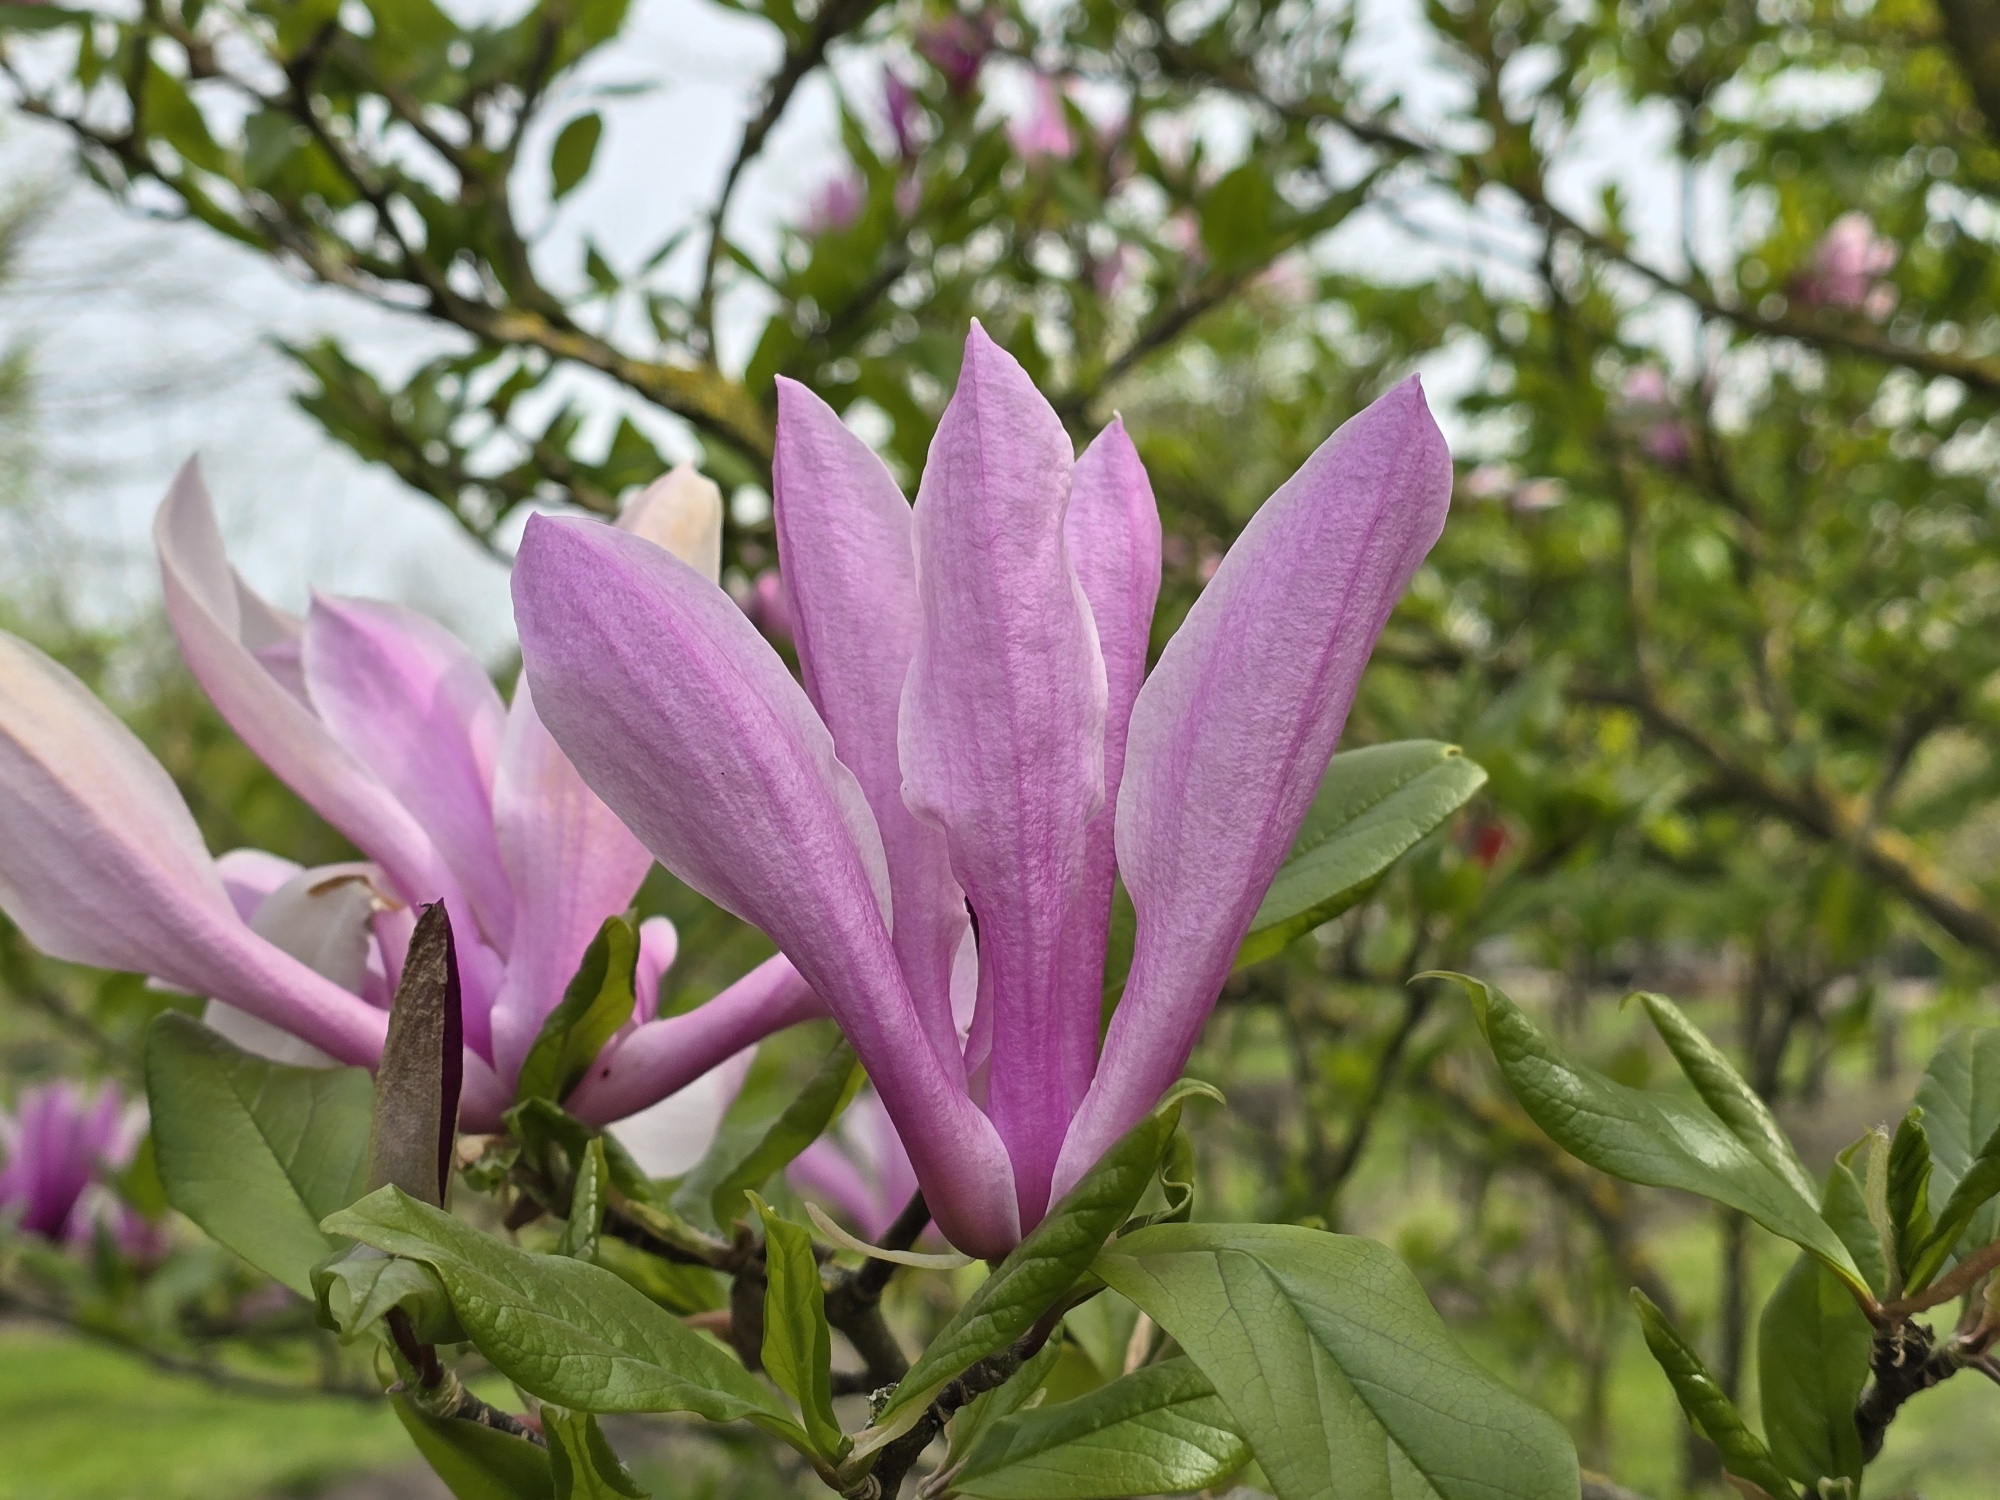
(1715, 606)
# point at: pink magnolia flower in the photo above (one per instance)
(972, 758)
(1045, 132)
(56, 1149)
(860, 1170)
(1848, 268)
(957, 46)
(835, 205)
(390, 729)
(1649, 400)
(765, 603)
(899, 103)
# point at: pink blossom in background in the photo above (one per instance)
(973, 731)
(765, 603)
(860, 1170)
(1848, 268)
(836, 205)
(57, 1148)
(1045, 132)
(957, 46)
(1115, 272)
(899, 102)
(1649, 401)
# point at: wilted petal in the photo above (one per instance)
(659, 944)
(416, 708)
(1232, 732)
(101, 863)
(219, 641)
(656, 1060)
(667, 1138)
(688, 725)
(1113, 529)
(844, 545)
(571, 865)
(1002, 733)
(682, 512)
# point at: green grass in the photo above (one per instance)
(79, 1422)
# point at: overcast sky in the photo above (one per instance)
(153, 339)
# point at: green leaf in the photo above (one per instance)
(36, 17)
(1708, 1407)
(1960, 1097)
(1812, 1360)
(1728, 1097)
(970, 1421)
(1041, 1268)
(1159, 1430)
(798, 1345)
(1909, 1187)
(356, 1292)
(1238, 217)
(586, 1204)
(255, 1152)
(1845, 1209)
(564, 1330)
(1373, 806)
(423, 1061)
(569, 161)
(597, 1001)
(1334, 1366)
(555, 1143)
(1654, 1139)
(582, 1463)
(476, 1462)
(803, 1121)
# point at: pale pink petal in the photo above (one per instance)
(410, 703)
(659, 943)
(1002, 732)
(101, 863)
(571, 864)
(249, 875)
(682, 512)
(685, 721)
(656, 1060)
(1232, 732)
(844, 544)
(204, 606)
(669, 1137)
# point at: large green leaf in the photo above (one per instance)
(255, 1152)
(1041, 1268)
(1655, 1139)
(582, 1462)
(1708, 1406)
(564, 1330)
(1334, 1366)
(798, 1345)
(474, 1461)
(1812, 1360)
(1373, 806)
(357, 1291)
(596, 1002)
(1960, 1098)
(1160, 1430)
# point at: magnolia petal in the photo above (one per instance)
(101, 863)
(261, 1038)
(1232, 732)
(658, 1059)
(416, 708)
(249, 875)
(850, 574)
(571, 865)
(1002, 731)
(482, 1097)
(686, 723)
(1113, 530)
(204, 606)
(668, 1138)
(825, 1172)
(659, 945)
(682, 512)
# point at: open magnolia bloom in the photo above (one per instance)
(390, 729)
(977, 754)
(57, 1147)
